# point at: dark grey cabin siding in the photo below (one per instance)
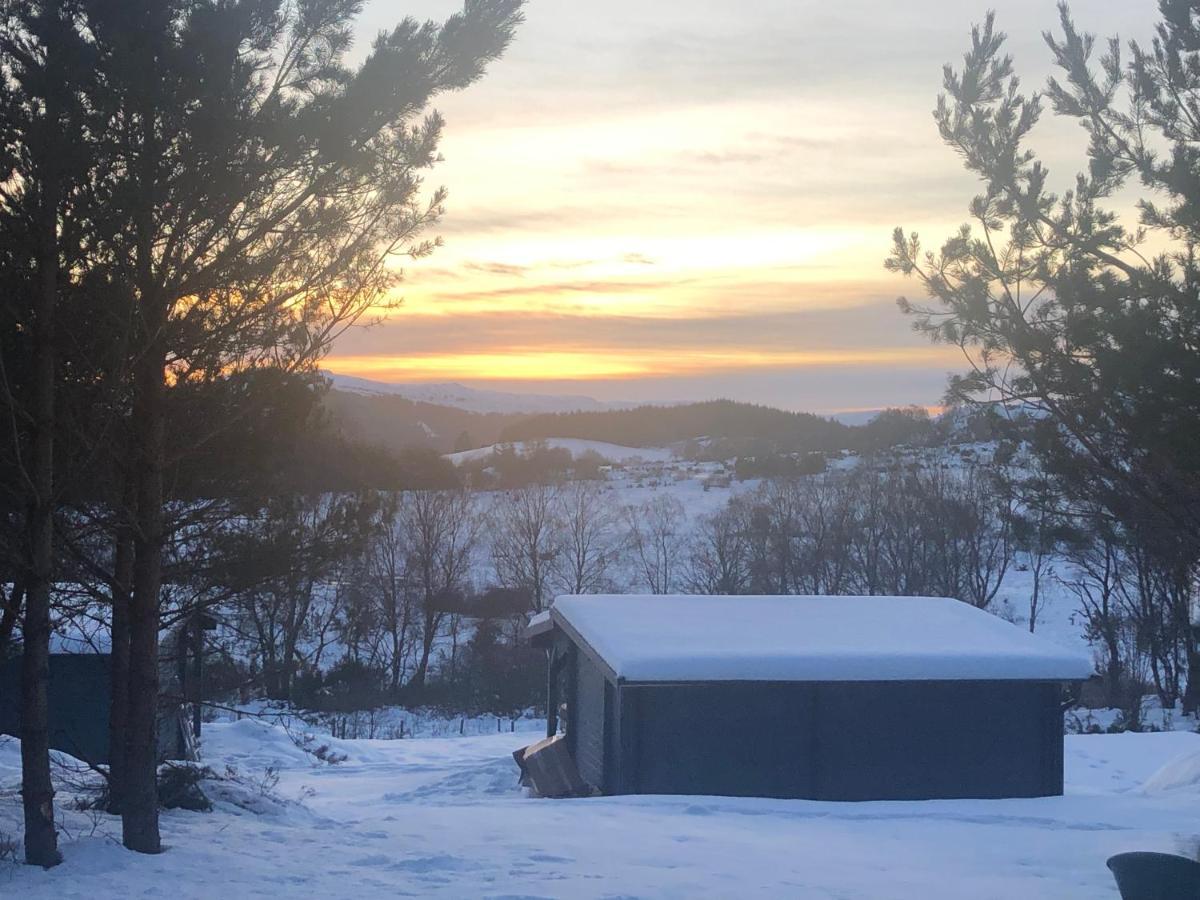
(723, 738)
(945, 739)
(841, 740)
(588, 717)
(78, 694)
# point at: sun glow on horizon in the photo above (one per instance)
(530, 364)
(674, 195)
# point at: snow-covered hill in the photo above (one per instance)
(614, 453)
(471, 399)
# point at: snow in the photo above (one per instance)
(772, 638)
(1180, 773)
(1125, 763)
(445, 818)
(539, 623)
(1153, 717)
(615, 453)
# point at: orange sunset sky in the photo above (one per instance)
(685, 199)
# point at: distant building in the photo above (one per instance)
(824, 698)
(80, 696)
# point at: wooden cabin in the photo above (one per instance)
(822, 698)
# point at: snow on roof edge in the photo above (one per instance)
(539, 623)
(810, 638)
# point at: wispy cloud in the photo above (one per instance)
(690, 196)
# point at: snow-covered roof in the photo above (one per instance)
(539, 623)
(788, 638)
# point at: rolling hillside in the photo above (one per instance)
(716, 429)
(395, 422)
(737, 427)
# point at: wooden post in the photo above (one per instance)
(551, 693)
(197, 671)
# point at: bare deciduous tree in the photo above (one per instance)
(658, 542)
(588, 548)
(527, 540)
(442, 529)
(718, 562)
(392, 593)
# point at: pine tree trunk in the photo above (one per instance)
(120, 590)
(12, 612)
(139, 817)
(37, 791)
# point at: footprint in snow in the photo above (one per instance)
(438, 863)
(550, 858)
(375, 859)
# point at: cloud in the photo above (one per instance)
(866, 327)
(653, 179)
(495, 268)
(638, 259)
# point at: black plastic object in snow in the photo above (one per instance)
(1156, 876)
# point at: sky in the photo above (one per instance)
(672, 200)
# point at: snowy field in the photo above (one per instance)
(445, 818)
(613, 453)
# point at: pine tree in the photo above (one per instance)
(244, 195)
(1056, 303)
(266, 187)
(46, 176)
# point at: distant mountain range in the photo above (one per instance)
(855, 417)
(454, 418)
(475, 400)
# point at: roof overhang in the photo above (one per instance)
(688, 640)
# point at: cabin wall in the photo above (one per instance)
(946, 739)
(588, 716)
(843, 740)
(79, 690)
(740, 739)
(80, 694)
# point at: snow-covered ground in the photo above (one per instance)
(445, 818)
(613, 453)
(441, 815)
